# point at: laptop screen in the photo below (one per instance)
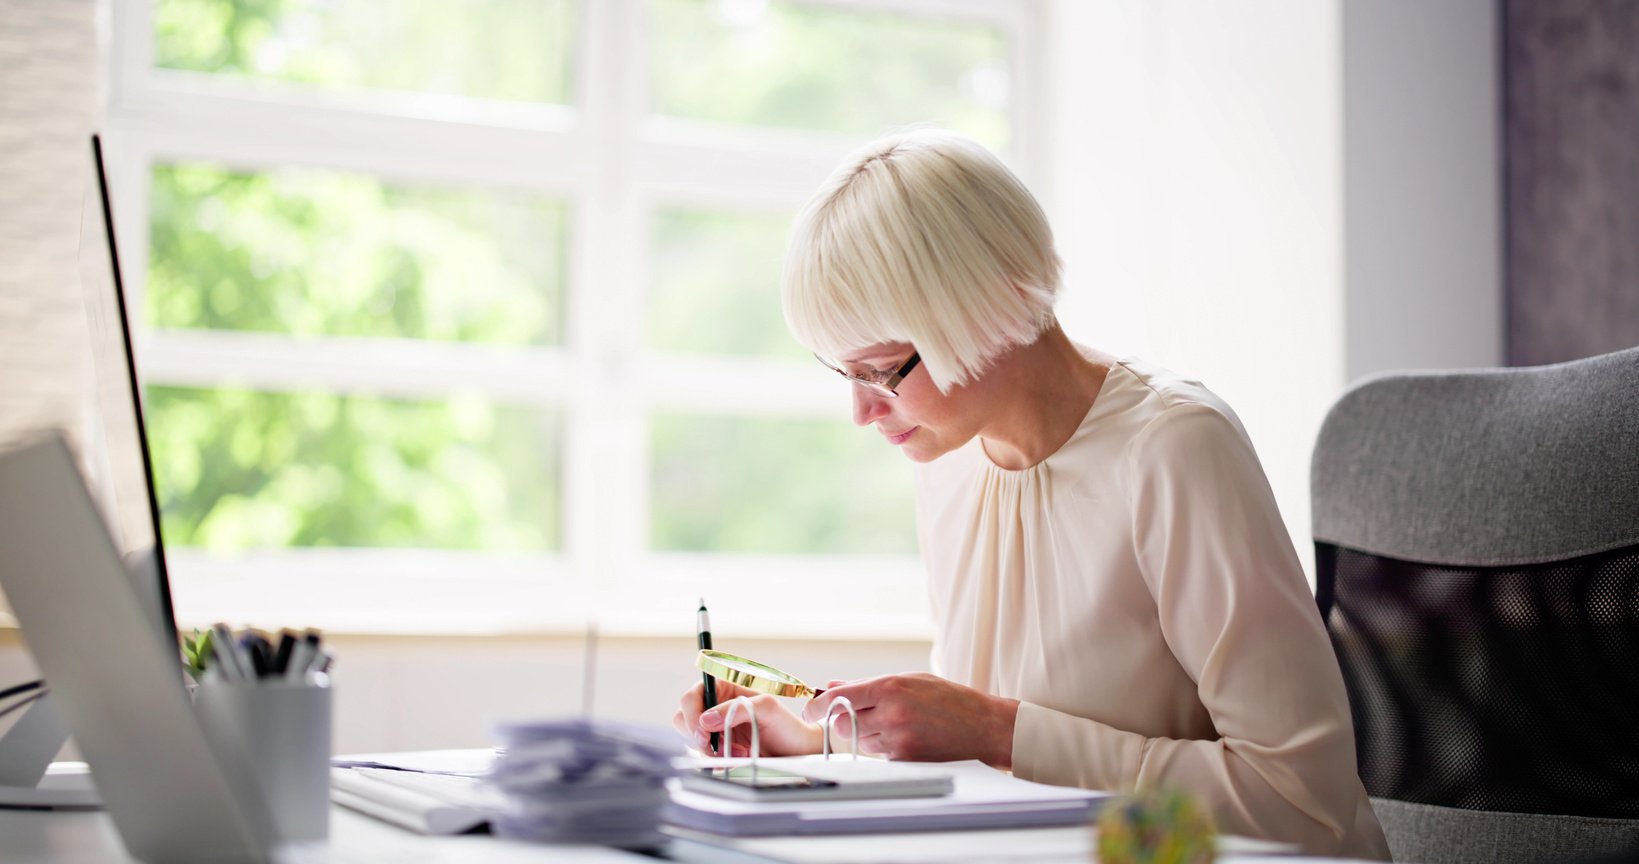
(125, 478)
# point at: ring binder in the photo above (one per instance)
(853, 725)
(728, 727)
(807, 778)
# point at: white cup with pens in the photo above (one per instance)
(272, 703)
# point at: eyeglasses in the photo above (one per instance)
(878, 381)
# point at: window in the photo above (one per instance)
(465, 317)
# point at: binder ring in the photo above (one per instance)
(853, 725)
(728, 730)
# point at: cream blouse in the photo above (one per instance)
(1138, 593)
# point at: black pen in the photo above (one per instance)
(281, 655)
(256, 647)
(703, 623)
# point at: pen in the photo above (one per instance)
(255, 646)
(281, 655)
(703, 624)
(302, 656)
(227, 654)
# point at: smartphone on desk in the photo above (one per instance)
(757, 783)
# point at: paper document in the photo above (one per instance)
(983, 797)
(1068, 844)
(430, 792)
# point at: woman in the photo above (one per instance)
(1116, 599)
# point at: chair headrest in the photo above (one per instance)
(1483, 467)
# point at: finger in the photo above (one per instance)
(761, 704)
(739, 743)
(842, 728)
(691, 696)
(858, 694)
(691, 705)
(687, 718)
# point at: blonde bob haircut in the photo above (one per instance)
(922, 237)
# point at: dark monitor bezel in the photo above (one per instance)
(161, 568)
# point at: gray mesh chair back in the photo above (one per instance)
(1477, 566)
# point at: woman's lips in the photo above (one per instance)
(900, 438)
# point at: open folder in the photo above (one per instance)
(981, 797)
(808, 779)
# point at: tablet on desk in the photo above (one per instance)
(752, 783)
(814, 780)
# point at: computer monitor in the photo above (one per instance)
(125, 478)
(120, 469)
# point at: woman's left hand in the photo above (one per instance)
(922, 718)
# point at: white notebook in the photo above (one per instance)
(982, 797)
(809, 779)
(431, 792)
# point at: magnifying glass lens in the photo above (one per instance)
(750, 674)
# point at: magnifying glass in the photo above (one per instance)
(752, 675)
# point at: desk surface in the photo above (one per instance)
(29, 837)
(33, 837)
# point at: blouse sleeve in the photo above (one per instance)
(1238, 615)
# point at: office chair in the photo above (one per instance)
(1477, 567)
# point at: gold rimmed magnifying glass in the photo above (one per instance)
(750, 674)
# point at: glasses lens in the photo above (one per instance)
(873, 386)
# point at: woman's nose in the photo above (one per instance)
(868, 407)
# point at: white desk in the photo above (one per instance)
(30, 837)
(89, 838)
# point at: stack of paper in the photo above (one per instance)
(808, 779)
(583, 781)
(431, 792)
(983, 798)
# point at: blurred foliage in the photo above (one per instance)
(740, 484)
(497, 49)
(313, 253)
(196, 652)
(717, 284)
(245, 470)
(1155, 826)
(318, 254)
(814, 66)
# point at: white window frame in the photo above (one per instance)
(612, 165)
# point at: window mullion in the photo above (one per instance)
(605, 458)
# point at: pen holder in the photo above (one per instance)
(282, 734)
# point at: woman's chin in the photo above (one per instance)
(919, 452)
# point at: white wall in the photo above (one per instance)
(48, 75)
(1278, 196)
(1422, 170)
(1199, 204)
(417, 693)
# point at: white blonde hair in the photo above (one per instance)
(922, 237)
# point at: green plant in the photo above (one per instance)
(196, 648)
(1155, 827)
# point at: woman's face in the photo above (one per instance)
(921, 421)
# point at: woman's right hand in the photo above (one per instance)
(780, 732)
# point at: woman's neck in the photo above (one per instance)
(1042, 392)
